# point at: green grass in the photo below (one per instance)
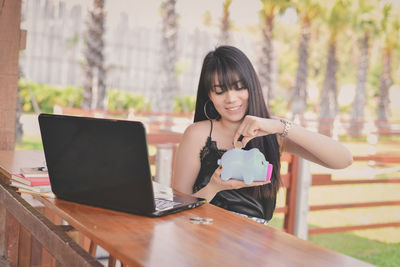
(276, 222)
(30, 142)
(363, 138)
(375, 252)
(347, 138)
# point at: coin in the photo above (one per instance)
(238, 144)
(201, 220)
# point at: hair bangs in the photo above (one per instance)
(227, 72)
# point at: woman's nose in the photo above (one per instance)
(230, 96)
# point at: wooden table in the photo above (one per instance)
(174, 241)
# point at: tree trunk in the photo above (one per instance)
(299, 98)
(385, 84)
(166, 91)
(225, 38)
(360, 98)
(328, 103)
(266, 60)
(94, 86)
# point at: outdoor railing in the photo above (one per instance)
(326, 180)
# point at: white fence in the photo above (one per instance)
(55, 45)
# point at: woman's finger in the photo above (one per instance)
(245, 140)
(238, 134)
(235, 183)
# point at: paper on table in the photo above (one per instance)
(162, 191)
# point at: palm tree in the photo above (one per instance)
(365, 18)
(307, 11)
(268, 12)
(337, 18)
(95, 75)
(166, 91)
(391, 29)
(225, 23)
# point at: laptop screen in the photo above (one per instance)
(98, 162)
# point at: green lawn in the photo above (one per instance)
(375, 252)
(372, 251)
(30, 142)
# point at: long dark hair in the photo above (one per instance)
(229, 63)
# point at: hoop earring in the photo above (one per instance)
(205, 110)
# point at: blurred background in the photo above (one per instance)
(332, 66)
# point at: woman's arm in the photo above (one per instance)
(312, 146)
(187, 161)
(317, 148)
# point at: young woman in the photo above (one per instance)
(230, 107)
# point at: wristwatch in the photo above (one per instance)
(288, 125)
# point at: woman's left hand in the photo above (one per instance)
(252, 126)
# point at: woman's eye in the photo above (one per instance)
(239, 87)
(219, 91)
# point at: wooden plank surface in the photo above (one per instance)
(173, 240)
(355, 205)
(11, 161)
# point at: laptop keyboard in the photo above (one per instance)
(162, 204)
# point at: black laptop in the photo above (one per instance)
(105, 163)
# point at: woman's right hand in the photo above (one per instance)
(220, 185)
(216, 185)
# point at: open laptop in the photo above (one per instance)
(105, 163)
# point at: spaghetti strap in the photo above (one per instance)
(211, 127)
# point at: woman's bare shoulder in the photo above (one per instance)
(198, 130)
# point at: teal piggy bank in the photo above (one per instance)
(247, 165)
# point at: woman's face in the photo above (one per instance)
(231, 104)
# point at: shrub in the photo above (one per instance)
(185, 103)
(47, 96)
(279, 106)
(120, 100)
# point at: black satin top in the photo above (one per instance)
(237, 200)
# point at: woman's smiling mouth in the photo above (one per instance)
(234, 109)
